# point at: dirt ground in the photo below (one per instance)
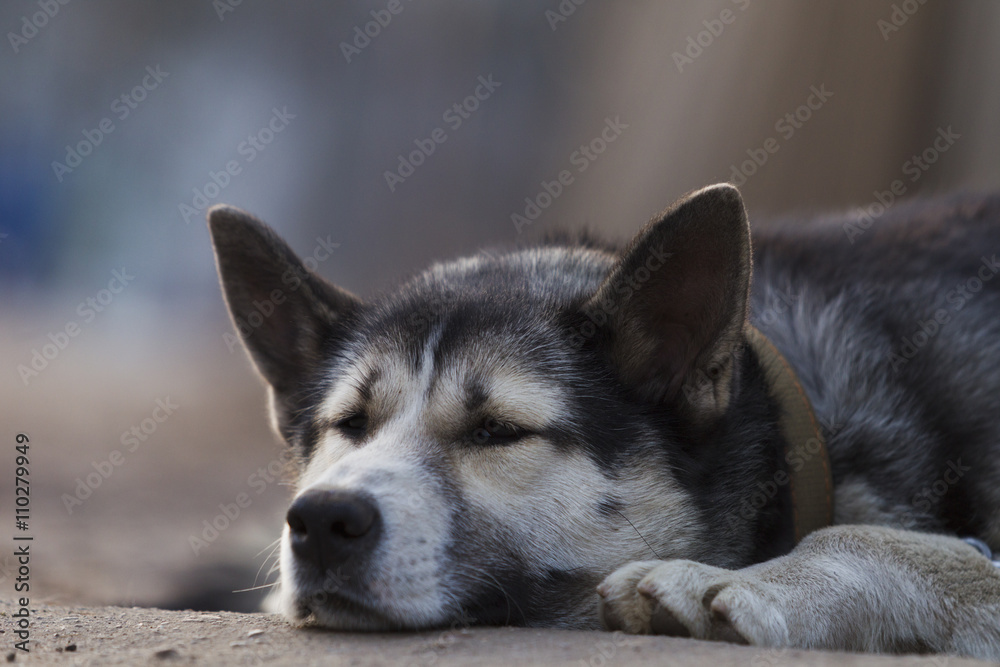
(134, 636)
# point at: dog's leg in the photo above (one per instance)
(858, 588)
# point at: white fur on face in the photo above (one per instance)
(403, 575)
(543, 499)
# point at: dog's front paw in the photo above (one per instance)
(684, 598)
(622, 606)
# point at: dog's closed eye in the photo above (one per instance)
(354, 426)
(495, 432)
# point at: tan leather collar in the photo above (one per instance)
(809, 478)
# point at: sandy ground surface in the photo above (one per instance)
(134, 636)
(122, 534)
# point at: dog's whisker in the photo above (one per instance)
(271, 547)
(471, 573)
(638, 533)
(256, 588)
(274, 546)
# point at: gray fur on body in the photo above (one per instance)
(639, 425)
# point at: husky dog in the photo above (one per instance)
(574, 436)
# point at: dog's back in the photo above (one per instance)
(893, 324)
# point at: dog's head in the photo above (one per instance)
(489, 441)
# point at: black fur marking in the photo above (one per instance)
(725, 468)
(610, 507)
(365, 386)
(524, 599)
(475, 397)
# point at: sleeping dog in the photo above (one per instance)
(575, 435)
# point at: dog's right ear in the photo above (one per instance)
(284, 314)
(675, 304)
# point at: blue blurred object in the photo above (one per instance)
(25, 200)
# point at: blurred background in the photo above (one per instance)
(121, 122)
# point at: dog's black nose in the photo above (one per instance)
(330, 526)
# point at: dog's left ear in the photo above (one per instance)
(676, 303)
(284, 314)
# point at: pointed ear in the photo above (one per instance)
(676, 303)
(283, 313)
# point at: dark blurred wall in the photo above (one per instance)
(897, 73)
(560, 77)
